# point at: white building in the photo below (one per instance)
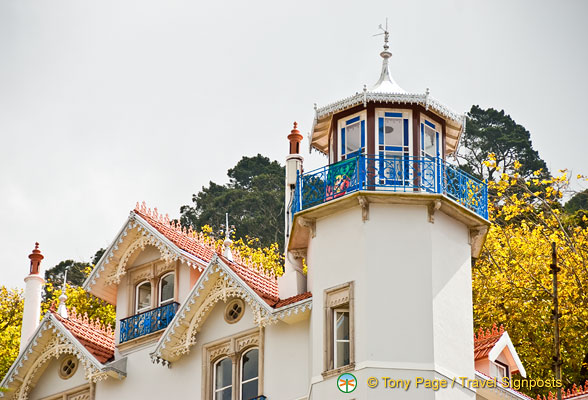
(387, 229)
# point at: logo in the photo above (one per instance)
(346, 383)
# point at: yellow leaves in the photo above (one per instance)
(517, 164)
(511, 278)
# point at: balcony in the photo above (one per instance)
(147, 322)
(390, 174)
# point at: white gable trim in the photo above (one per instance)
(227, 283)
(150, 236)
(503, 343)
(62, 342)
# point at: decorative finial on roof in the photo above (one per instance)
(228, 242)
(62, 309)
(386, 83)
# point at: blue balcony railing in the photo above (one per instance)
(395, 174)
(147, 322)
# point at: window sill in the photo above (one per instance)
(338, 371)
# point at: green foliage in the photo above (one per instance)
(254, 199)
(491, 131)
(578, 202)
(11, 307)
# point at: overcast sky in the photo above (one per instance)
(105, 103)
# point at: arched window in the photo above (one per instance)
(250, 374)
(143, 297)
(166, 288)
(223, 379)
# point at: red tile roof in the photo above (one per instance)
(485, 341)
(576, 392)
(97, 339)
(186, 239)
(293, 299)
(265, 284)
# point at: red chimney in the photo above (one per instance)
(36, 258)
(295, 138)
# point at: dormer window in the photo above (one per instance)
(352, 136)
(498, 370)
(166, 288)
(143, 297)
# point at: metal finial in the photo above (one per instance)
(228, 242)
(62, 309)
(386, 34)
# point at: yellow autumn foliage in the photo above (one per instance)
(512, 284)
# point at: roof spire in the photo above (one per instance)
(228, 242)
(386, 83)
(62, 309)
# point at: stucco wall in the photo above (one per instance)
(51, 383)
(413, 307)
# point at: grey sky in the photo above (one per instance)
(106, 103)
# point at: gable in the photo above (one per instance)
(145, 237)
(218, 283)
(51, 340)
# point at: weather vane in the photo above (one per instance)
(385, 33)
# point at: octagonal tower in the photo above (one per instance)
(388, 230)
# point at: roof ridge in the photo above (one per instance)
(489, 333)
(152, 216)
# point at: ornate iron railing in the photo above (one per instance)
(147, 322)
(396, 174)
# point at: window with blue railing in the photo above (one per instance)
(393, 146)
(154, 307)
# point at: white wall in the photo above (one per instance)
(286, 363)
(50, 382)
(413, 302)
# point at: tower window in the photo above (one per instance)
(339, 330)
(341, 339)
(352, 136)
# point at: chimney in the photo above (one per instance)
(32, 298)
(293, 281)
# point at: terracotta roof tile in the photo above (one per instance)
(95, 338)
(293, 299)
(186, 239)
(575, 392)
(485, 341)
(264, 283)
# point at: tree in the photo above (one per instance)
(76, 272)
(254, 199)
(512, 281)
(11, 307)
(494, 132)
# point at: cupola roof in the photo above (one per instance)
(386, 90)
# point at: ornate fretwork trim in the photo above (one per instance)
(426, 100)
(61, 342)
(145, 235)
(221, 284)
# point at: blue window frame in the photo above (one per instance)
(352, 137)
(393, 148)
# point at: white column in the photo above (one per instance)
(32, 298)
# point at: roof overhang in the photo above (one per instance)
(218, 282)
(454, 122)
(136, 233)
(50, 340)
(303, 222)
(504, 343)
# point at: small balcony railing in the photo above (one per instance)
(147, 322)
(394, 174)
